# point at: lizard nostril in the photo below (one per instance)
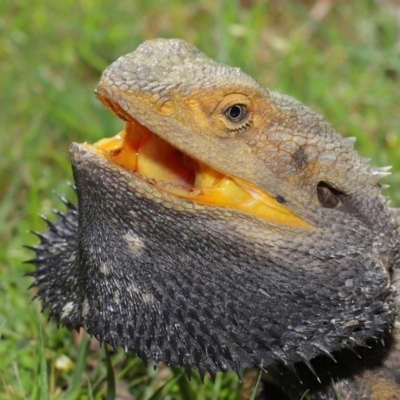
(328, 196)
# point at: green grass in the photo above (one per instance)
(346, 67)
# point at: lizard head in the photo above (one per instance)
(226, 226)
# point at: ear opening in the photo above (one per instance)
(328, 196)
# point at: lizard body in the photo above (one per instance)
(226, 227)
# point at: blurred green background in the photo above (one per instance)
(340, 58)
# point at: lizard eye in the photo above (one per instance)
(236, 113)
(233, 115)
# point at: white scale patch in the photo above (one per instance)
(135, 292)
(85, 308)
(147, 298)
(66, 310)
(135, 243)
(116, 298)
(104, 269)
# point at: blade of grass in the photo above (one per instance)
(43, 378)
(16, 372)
(184, 385)
(74, 387)
(159, 393)
(253, 395)
(304, 395)
(337, 395)
(111, 390)
(90, 391)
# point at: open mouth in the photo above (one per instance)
(155, 161)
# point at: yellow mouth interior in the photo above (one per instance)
(139, 150)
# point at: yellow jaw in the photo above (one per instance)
(139, 150)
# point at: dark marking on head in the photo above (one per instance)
(300, 158)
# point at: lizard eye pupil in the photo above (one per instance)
(236, 113)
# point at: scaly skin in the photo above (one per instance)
(214, 288)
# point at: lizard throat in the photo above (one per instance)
(156, 162)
